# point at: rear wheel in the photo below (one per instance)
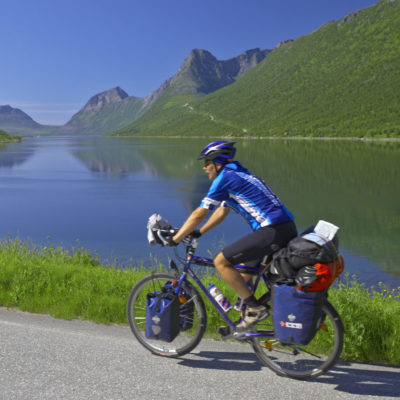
(303, 362)
(192, 316)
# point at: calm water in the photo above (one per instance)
(99, 192)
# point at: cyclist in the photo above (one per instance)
(234, 187)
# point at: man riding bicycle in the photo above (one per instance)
(234, 187)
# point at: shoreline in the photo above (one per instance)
(327, 138)
(288, 137)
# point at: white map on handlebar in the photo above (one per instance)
(155, 224)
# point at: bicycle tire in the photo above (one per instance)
(187, 339)
(303, 362)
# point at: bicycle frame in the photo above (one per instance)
(203, 261)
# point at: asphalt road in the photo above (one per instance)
(46, 358)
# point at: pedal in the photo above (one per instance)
(224, 331)
(241, 336)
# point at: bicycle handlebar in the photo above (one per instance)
(162, 236)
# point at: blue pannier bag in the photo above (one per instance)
(296, 315)
(162, 316)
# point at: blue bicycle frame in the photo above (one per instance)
(208, 262)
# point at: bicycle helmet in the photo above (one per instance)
(220, 152)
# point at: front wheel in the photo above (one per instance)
(303, 362)
(192, 325)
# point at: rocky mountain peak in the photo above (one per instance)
(5, 109)
(283, 42)
(197, 56)
(10, 116)
(99, 101)
(202, 73)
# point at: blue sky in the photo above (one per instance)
(56, 54)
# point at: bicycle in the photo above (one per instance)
(289, 360)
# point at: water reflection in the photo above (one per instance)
(101, 190)
(12, 155)
(166, 159)
(353, 184)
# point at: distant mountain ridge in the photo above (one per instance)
(103, 113)
(101, 100)
(201, 73)
(340, 80)
(10, 118)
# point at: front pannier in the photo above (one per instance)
(162, 316)
(296, 315)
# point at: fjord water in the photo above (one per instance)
(97, 192)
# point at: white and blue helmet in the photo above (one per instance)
(220, 152)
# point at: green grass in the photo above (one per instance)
(371, 317)
(75, 285)
(64, 285)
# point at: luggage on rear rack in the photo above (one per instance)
(319, 277)
(312, 259)
(296, 315)
(312, 262)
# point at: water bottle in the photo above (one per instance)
(219, 297)
(240, 304)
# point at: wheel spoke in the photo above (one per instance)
(192, 316)
(303, 362)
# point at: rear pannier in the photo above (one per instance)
(302, 273)
(297, 315)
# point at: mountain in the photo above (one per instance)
(13, 120)
(341, 80)
(104, 112)
(200, 74)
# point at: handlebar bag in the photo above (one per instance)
(296, 315)
(162, 316)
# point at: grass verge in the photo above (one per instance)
(75, 285)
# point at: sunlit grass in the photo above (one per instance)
(75, 285)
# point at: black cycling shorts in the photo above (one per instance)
(252, 248)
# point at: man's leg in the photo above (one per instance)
(231, 276)
(254, 311)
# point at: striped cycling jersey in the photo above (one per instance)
(247, 194)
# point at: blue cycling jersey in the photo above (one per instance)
(247, 194)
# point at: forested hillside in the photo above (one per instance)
(341, 80)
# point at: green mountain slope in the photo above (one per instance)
(201, 73)
(341, 80)
(106, 111)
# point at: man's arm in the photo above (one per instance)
(216, 218)
(194, 220)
